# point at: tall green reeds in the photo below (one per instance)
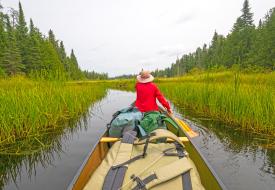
(29, 108)
(239, 99)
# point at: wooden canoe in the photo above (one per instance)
(209, 178)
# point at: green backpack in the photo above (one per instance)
(152, 121)
(131, 118)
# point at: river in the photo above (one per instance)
(241, 160)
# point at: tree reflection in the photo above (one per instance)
(39, 150)
(234, 140)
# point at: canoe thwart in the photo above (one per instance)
(114, 139)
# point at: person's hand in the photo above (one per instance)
(170, 111)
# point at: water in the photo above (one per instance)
(240, 160)
(62, 165)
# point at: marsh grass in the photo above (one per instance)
(246, 101)
(31, 155)
(30, 108)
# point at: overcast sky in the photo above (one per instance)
(123, 36)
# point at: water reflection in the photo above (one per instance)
(41, 150)
(240, 159)
(54, 166)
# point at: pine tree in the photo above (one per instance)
(260, 24)
(14, 15)
(216, 51)
(52, 66)
(12, 59)
(52, 39)
(247, 16)
(63, 57)
(3, 41)
(32, 28)
(241, 40)
(33, 57)
(24, 50)
(75, 71)
(62, 51)
(73, 58)
(244, 45)
(204, 58)
(22, 28)
(22, 35)
(268, 41)
(214, 39)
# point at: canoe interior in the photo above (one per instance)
(208, 177)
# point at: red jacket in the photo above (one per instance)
(147, 93)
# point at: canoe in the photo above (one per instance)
(209, 178)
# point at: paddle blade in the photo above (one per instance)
(186, 128)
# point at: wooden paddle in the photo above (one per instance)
(184, 126)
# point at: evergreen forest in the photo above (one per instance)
(246, 47)
(24, 50)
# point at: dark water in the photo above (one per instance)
(240, 160)
(56, 169)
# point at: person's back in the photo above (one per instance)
(147, 93)
(146, 97)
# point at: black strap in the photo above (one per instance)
(146, 146)
(115, 177)
(186, 179)
(141, 184)
(129, 137)
(136, 157)
(180, 150)
(128, 161)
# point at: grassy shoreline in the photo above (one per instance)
(29, 108)
(242, 100)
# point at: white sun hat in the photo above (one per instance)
(144, 77)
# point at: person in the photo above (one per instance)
(147, 93)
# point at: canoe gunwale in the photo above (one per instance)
(84, 163)
(208, 165)
(191, 141)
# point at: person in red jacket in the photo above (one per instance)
(148, 93)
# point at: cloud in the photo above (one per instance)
(96, 48)
(163, 14)
(185, 18)
(171, 51)
(147, 61)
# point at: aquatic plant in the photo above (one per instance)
(29, 108)
(242, 100)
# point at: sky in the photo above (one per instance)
(125, 36)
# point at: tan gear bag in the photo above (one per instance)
(143, 164)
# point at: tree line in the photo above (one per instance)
(26, 51)
(246, 47)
